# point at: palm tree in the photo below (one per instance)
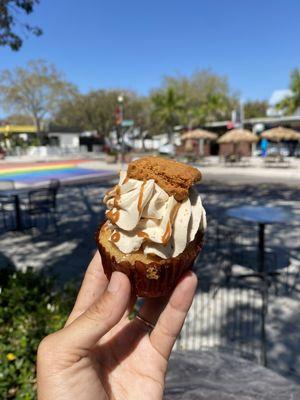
(291, 104)
(167, 108)
(213, 108)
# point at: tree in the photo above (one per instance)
(167, 108)
(291, 104)
(207, 97)
(9, 19)
(255, 109)
(18, 119)
(36, 91)
(96, 111)
(138, 108)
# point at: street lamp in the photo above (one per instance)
(121, 110)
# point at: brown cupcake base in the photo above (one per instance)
(153, 279)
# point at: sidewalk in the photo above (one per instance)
(231, 174)
(213, 171)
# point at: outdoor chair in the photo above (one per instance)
(6, 203)
(42, 205)
(232, 159)
(276, 160)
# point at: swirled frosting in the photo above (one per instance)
(142, 213)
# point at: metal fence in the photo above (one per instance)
(230, 312)
(227, 316)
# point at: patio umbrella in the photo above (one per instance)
(280, 133)
(236, 136)
(200, 135)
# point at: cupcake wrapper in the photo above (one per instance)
(156, 278)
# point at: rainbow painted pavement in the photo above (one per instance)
(30, 173)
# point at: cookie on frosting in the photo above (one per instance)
(172, 176)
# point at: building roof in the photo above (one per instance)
(8, 129)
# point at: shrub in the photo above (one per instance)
(30, 308)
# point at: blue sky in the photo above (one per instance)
(132, 44)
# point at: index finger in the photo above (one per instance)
(93, 285)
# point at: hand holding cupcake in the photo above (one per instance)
(155, 225)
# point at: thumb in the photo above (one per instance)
(97, 320)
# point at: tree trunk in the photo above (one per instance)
(143, 140)
(170, 136)
(143, 144)
(39, 133)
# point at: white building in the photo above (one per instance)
(65, 139)
(276, 97)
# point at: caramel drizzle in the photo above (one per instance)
(140, 200)
(117, 196)
(143, 235)
(113, 216)
(115, 237)
(166, 236)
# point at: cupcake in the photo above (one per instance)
(155, 225)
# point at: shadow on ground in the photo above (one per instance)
(230, 245)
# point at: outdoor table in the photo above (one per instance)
(15, 195)
(214, 375)
(262, 215)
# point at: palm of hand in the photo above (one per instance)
(122, 365)
(100, 354)
(127, 355)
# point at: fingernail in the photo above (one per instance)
(114, 283)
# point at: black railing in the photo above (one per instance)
(227, 316)
(229, 311)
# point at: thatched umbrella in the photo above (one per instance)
(280, 133)
(200, 135)
(236, 136)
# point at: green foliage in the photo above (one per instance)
(206, 97)
(30, 309)
(255, 109)
(10, 11)
(291, 104)
(95, 111)
(191, 101)
(36, 90)
(92, 111)
(167, 108)
(138, 109)
(18, 119)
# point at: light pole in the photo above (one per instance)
(242, 113)
(121, 115)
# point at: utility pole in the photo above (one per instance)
(242, 114)
(120, 124)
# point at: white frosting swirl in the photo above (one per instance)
(142, 212)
